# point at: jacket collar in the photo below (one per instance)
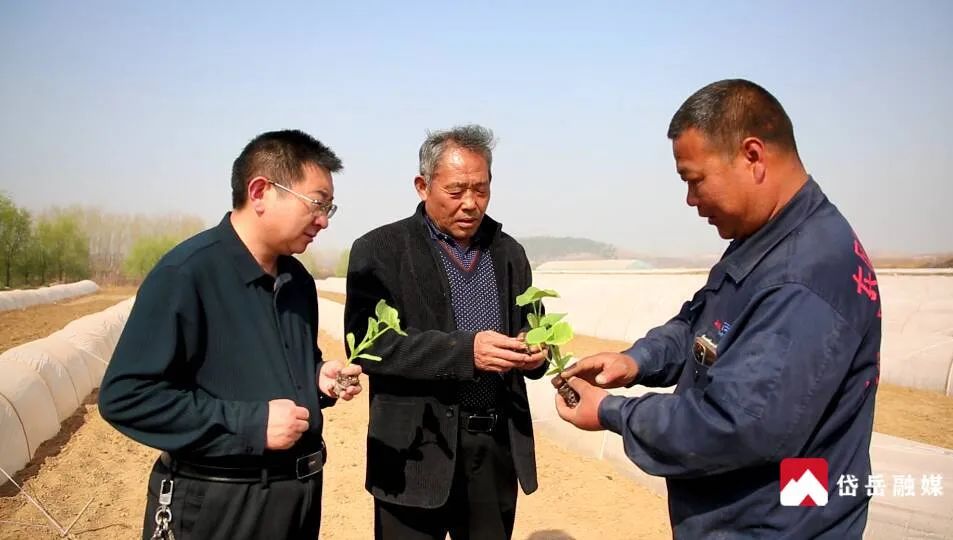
(743, 255)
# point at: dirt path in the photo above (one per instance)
(332, 296)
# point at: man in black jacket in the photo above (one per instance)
(218, 364)
(450, 429)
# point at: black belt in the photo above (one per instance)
(299, 468)
(479, 422)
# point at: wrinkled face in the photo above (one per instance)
(292, 222)
(721, 189)
(458, 194)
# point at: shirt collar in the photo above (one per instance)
(743, 255)
(248, 268)
(436, 233)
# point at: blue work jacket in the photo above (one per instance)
(776, 357)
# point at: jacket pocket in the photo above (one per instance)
(394, 423)
(752, 377)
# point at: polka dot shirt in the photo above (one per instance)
(476, 307)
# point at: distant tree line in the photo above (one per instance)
(67, 244)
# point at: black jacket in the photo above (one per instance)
(412, 436)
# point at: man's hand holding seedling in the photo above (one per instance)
(605, 370)
(538, 354)
(588, 377)
(328, 377)
(497, 353)
(585, 413)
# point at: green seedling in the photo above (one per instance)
(387, 319)
(552, 332)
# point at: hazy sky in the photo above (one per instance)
(143, 106)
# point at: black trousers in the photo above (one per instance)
(482, 502)
(203, 510)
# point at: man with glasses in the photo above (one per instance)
(218, 364)
(450, 429)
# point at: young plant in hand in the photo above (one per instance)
(552, 332)
(387, 319)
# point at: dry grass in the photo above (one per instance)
(941, 260)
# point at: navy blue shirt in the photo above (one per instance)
(791, 316)
(211, 339)
(476, 307)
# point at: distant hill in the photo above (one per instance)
(541, 249)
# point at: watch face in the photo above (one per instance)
(705, 350)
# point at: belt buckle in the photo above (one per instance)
(476, 423)
(309, 465)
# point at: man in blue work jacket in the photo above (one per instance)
(775, 357)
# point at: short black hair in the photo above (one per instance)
(279, 156)
(727, 111)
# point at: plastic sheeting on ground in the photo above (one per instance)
(331, 318)
(19, 299)
(44, 381)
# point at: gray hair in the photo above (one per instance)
(472, 137)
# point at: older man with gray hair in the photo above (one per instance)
(450, 429)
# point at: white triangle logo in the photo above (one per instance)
(806, 486)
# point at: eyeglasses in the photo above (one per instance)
(317, 207)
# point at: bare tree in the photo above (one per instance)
(112, 236)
